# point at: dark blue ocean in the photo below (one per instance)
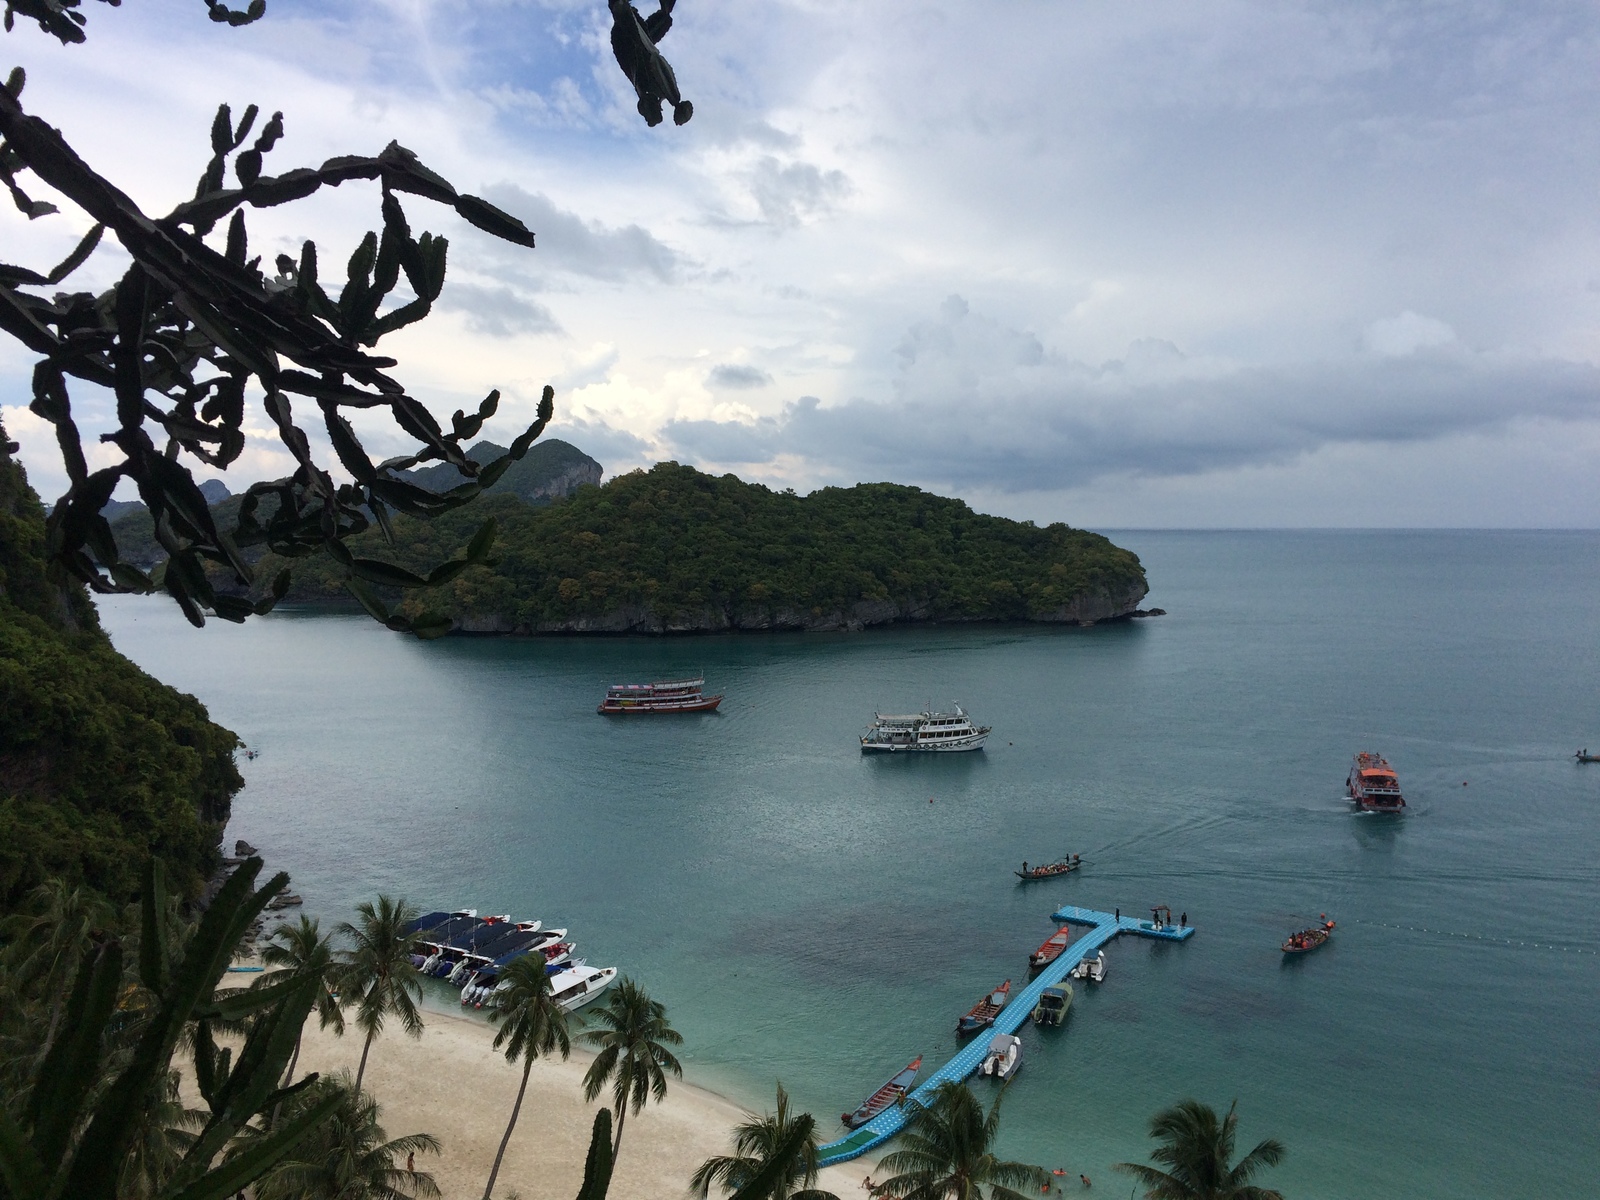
(818, 917)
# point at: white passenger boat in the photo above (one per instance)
(925, 731)
(580, 985)
(1003, 1058)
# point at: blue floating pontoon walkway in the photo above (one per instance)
(1104, 927)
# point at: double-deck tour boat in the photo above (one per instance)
(669, 696)
(928, 731)
(1373, 785)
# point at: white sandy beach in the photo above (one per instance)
(454, 1085)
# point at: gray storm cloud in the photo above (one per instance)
(977, 404)
(568, 242)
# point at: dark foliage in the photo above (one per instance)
(190, 330)
(100, 765)
(93, 1086)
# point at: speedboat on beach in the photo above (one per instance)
(577, 986)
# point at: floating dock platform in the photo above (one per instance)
(1103, 927)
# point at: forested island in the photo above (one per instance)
(675, 550)
(100, 765)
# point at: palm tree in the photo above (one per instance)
(757, 1143)
(633, 1041)
(166, 1131)
(348, 1156)
(1196, 1152)
(946, 1152)
(301, 949)
(376, 974)
(533, 1025)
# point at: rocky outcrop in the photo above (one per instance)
(1088, 609)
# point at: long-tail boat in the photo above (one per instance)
(1050, 870)
(1051, 948)
(881, 1099)
(984, 1012)
(1307, 940)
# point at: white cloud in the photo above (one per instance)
(1202, 241)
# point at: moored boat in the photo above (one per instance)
(1003, 1059)
(984, 1012)
(1373, 784)
(667, 696)
(886, 1095)
(924, 732)
(580, 985)
(1061, 866)
(1307, 940)
(1053, 1005)
(1092, 969)
(1051, 948)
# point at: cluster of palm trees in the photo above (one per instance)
(947, 1153)
(366, 969)
(363, 974)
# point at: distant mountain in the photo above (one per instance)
(214, 490)
(550, 470)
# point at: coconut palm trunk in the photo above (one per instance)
(516, 1109)
(532, 1024)
(365, 1047)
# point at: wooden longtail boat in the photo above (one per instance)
(1051, 948)
(1308, 940)
(1049, 870)
(985, 1011)
(883, 1097)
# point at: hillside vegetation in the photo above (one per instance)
(674, 549)
(100, 765)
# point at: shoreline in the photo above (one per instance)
(453, 1084)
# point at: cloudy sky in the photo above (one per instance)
(1167, 263)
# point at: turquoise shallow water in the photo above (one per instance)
(808, 914)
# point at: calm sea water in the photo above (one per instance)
(818, 917)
